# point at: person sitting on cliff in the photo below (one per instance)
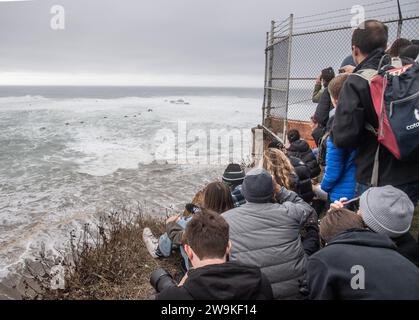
(265, 232)
(389, 211)
(300, 149)
(216, 197)
(289, 172)
(212, 276)
(358, 264)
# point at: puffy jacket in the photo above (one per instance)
(354, 110)
(267, 235)
(301, 150)
(339, 178)
(227, 281)
(302, 183)
(388, 275)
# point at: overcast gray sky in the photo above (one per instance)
(166, 42)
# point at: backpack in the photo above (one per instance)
(395, 96)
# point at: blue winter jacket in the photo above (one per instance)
(339, 178)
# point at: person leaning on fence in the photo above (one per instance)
(321, 115)
(213, 277)
(355, 110)
(339, 177)
(322, 82)
(389, 211)
(357, 264)
(266, 233)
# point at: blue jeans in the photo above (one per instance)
(411, 189)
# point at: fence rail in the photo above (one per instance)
(298, 48)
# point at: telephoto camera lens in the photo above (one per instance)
(160, 279)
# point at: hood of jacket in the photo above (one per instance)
(227, 281)
(372, 61)
(365, 238)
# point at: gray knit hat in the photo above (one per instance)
(387, 210)
(258, 186)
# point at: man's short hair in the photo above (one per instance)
(411, 52)
(207, 234)
(336, 85)
(371, 35)
(337, 221)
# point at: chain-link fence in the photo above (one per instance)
(298, 48)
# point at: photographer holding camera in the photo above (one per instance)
(213, 277)
(322, 82)
(324, 107)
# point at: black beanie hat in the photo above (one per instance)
(234, 174)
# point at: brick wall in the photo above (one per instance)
(277, 126)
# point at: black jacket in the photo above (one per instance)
(227, 281)
(302, 185)
(301, 150)
(408, 247)
(388, 275)
(323, 108)
(354, 110)
(317, 135)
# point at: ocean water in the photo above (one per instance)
(69, 153)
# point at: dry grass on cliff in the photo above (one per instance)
(108, 261)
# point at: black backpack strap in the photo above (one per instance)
(376, 167)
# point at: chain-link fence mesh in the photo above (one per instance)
(300, 47)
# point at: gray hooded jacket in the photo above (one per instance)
(267, 235)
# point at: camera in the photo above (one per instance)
(192, 208)
(160, 279)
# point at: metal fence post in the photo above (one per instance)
(265, 84)
(288, 73)
(400, 24)
(270, 52)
